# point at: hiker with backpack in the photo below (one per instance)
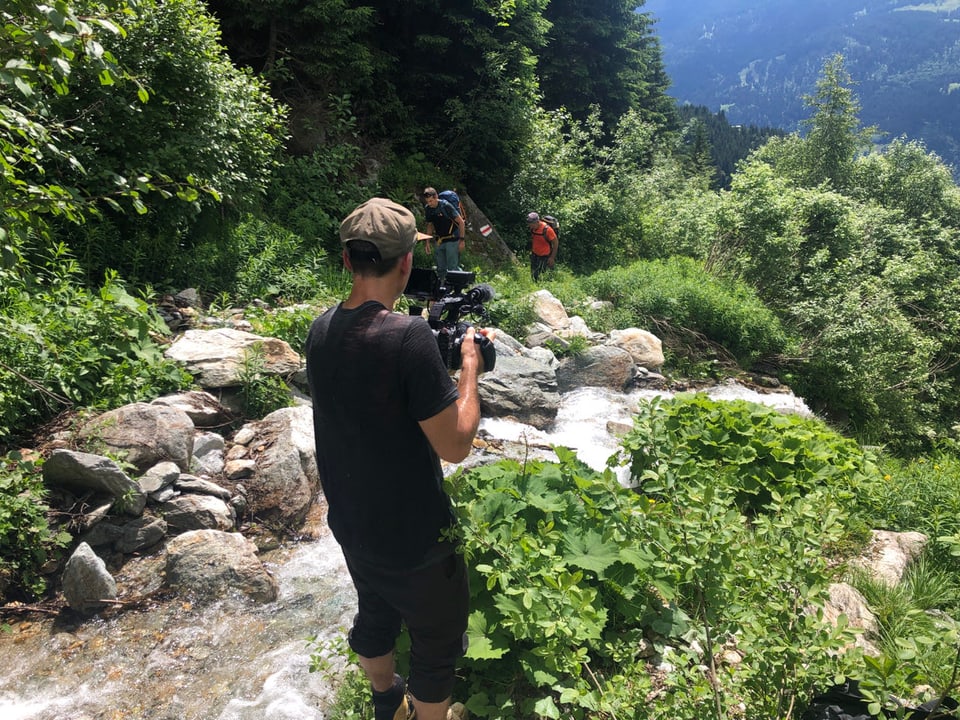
(445, 223)
(544, 242)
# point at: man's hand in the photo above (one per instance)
(451, 431)
(470, 349)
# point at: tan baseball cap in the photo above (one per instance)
(389, 226)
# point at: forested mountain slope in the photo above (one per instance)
(756, 59)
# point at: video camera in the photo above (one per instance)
(447, 304)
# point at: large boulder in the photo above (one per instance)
(549, 310)
(216, 357)
(846, 600)
(208, 563)
(597, 366)
(644, 347)
(523, 385)
(142, 434)
(284, 480)
(889, 554)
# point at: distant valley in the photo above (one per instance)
(757, 59)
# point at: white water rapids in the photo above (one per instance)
(234, 660)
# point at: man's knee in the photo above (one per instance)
(372, 639)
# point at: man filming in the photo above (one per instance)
(385, 411)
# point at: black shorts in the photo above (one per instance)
(432, 601)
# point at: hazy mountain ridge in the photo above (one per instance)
(756, 60)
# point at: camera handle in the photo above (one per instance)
(487, 351)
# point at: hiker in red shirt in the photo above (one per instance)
(543, 245)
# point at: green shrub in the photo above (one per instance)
(290, 324)
(275, 264)
(680, 301)
(570, 572)
(756, 450)
(26, 540)
(261, 392)
(64, 345)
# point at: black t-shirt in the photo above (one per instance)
(373, 376)
(444, 218)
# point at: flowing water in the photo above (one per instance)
(233, 660)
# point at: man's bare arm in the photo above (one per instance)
(451, 431)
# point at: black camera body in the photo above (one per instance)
(447, 304)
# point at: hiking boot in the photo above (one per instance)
(406, 711)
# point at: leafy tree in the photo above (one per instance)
(727, 144)
(450, 80)
(835, 136)
(603, 54)
(313, 54)
(43, 46)
(905, 176)
(865, 279)
(208, 136)
(556, 172)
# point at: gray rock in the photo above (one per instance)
(521, 387)
(140, 534)
(188, 298)
(598, 366)
(201, 407)
(207, 563)
(161, 475)
(244, 435)
(189, 483)
(207, 442)
(143, 434)
(540, 335)
(215, 357)
(208, 450)
(103, 534)
(94, 472)
(164, 495)
(197, 512)
(285, 480)
(86, 582)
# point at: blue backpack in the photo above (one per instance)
(451, 197)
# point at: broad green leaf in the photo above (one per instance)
(545, 707)
(590, 552)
